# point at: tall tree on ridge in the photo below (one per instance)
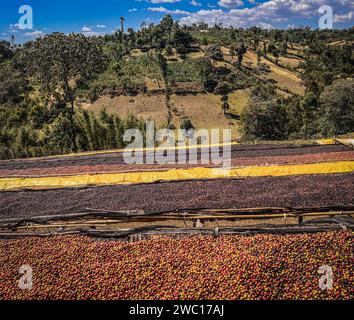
(61, 64)
(122, 20)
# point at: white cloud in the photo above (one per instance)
(16, 26)
(342, 18)
(166, 11)
(264, 25)
(101, 26)
(227, 19)
(164, 1)
(271, 12)
(86, 29)
(133, 10)
(35, 34)
(347, 3)
(230, 3)
(195, 3)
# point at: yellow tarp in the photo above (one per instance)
(348, 142)
(326, 141)
(176, 174)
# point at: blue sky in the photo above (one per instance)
(102, 16)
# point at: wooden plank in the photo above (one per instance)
(117, 217)
(107, 223)
(173, 231)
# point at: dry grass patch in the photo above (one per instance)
(287, 61)
(195, 55)
(136, 53)
(153, 84)
(144, 106)
(284, 78)
(250, 58)
(205, 112)
(238, 100)
(296, 52)
(224, 64)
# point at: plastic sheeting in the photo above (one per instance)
(7, 184)
(347, 142)
(325, 141)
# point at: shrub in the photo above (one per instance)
(264, 120)
(223, 88)
(337, 108)
(187, 125)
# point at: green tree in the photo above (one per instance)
(276, 54)
(214, 53)
(98, 134)
(182, 41)
(110, 129)
(6, 51)
(7, 139)
(263, 92)
(169, 50)
(337, 108)
(13, 85)
(62, 64)
(259, 58)
(264, 120)
(38, 115)
(223, 88)
(241, 51)
(309, 108)
(294, 118)
(225, 103)
(187, 125)
(166, 25)
(60, 137)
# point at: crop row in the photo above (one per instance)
(293, 191)
(236, 162)
(238, 152)
(230, 267)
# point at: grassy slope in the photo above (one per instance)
(284, 78)
(204, 110)
(146, 107)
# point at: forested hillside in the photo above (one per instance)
(69, 93)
